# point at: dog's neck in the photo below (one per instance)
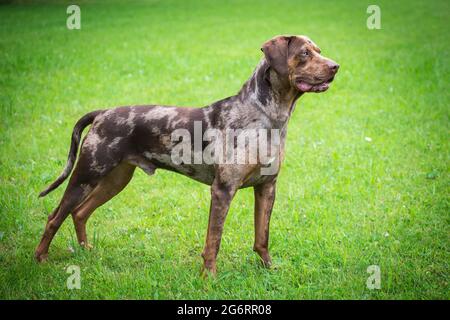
(266, 91)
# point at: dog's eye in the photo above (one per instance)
(305, 53)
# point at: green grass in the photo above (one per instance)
(343, 203)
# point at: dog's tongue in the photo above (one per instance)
(306, 87)
(303, 86)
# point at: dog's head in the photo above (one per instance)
(297, 60)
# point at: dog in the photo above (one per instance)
(123, 138)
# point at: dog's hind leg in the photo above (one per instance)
(83, 181)
(108, 187)
(73, 195)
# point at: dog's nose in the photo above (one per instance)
(333, 66)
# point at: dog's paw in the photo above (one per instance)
(41, 257)
(208, 272)
(264, 257)
(86, 246)
(266, 263)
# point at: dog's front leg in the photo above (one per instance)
(264, 200)
(221, 196)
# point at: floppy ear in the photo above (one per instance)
(276, 53)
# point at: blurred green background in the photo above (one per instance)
(365, 180)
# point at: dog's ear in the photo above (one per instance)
(276, 52)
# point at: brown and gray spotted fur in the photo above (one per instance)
(124, 138)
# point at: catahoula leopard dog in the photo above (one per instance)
(123, 138)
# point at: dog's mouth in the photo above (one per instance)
(304, 86)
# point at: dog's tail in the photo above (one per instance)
(86, 120)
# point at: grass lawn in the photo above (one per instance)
(366, 175)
